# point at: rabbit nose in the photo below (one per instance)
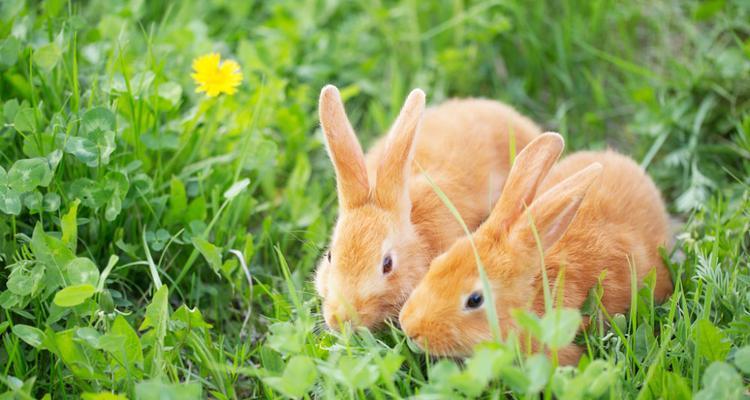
(417, 338)
(336, 316)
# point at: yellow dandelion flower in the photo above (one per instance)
(214, 76)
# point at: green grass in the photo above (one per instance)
(128, 259)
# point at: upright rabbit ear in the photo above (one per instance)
(395, 165)
(344, 149)
(552, 212)
(528, 171)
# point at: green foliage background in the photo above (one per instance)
(129, 205)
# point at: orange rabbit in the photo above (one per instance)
(391, 223)
(596, 211)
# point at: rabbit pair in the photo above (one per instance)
(591, 212)
(391, 221)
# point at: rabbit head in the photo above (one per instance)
(375, 257)
(445, 311)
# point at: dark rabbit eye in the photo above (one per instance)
(387, 264)
(474, 301)
(328, 256)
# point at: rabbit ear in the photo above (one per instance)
(553, 211)
(395, 165)
(528, 171)
(344, 149)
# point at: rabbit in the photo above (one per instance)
(596, 211)
(391, 223)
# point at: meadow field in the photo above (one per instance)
(159, 242)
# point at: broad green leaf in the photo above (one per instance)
(515, 378)
(98, 119)
(74, 295)
(559, 327)
(262, 155)
(196, 210)
(9, 299)
(51, 202)
(486, 363)
(10, 201)
(644, 340)
(24, 281)
(390, 365)
(677, 386)
(189, 318)
(53, 254)
(33, 201)
(54, 158)
(210, 252)
(594, 382)
(356, 372)
(539, 369)
(19, 282)
(92, 194)
(599, 378)
(721, 381)
(27, 174)
(125, 346)
(710, 341)
(157, 314)
(298, 377)
(82, 270)
(69, 225)
(93, 149)
(118, 185)
(742, 359)
(105, 145)
(113, 208)
(529, 322)
(445, 377)
(170, 91)
(141, 82)
(10, 109)
(9, 48)
(90, 335)
(47, 56)
(155, 390)
(84, 361)
(83, 149)
(284, 337)
(25, 120)
(29, 334)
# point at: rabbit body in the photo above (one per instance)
(593, 212)
(391, 222)
(622, 221)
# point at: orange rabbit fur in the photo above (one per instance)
(391, 223)
(594, 211)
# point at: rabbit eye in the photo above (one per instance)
(387, 264)
(328, 256)
(474, 301)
